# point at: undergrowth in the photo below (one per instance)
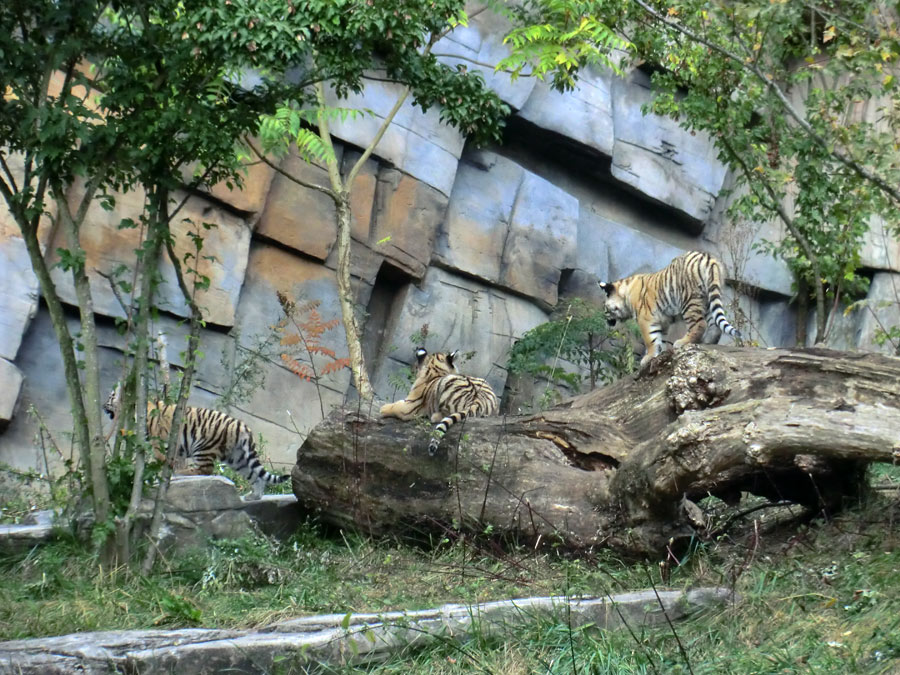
(819, 597)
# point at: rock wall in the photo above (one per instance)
(473, 245)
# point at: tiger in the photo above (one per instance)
(441, 392)
(206, 435)
(689, 287)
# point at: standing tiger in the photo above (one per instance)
(206, 435)
(441, 392)
(690, 287)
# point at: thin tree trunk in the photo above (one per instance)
(193, 343)
(802, 310)
(139, 371)
(90, 381)
(341, 197)
(345, 295)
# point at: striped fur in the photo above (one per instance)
(690, 287)
(443, 394)
(206, 436)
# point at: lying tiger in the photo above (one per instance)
(206, 435)
(690, 287)
(444, 394)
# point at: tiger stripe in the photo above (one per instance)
(206, 436)
(444, 394)
(689, 287)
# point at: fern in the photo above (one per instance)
(290, 124)
(307, 328)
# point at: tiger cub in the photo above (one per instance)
(444, 394)
(206, 435)
(690, 287)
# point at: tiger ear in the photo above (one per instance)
(421, 353)
(606, 287)
(451, 356)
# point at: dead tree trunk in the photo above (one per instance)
(613, 467)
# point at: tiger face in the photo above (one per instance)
(617, 306)
(688, 288)
(444, 395)
(429, 366)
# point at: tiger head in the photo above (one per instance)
(112, 401)
(618, 305)
(431, 366)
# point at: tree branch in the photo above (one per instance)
(753, 68)
(289, 176)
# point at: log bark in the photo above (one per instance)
(335, 640)
(614, 467)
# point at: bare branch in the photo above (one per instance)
(289, 176)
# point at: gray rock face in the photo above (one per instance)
(10, 385)
(416, 143)
(485, 322)
(19, 300)
(881, 249)
(479, 43)
(406, 222)
(584, 115)
(657, 157)
(223, 260)
(534, 227)
(300, 218)
(633, 252)
(884, 301)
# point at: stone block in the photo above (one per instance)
(844, 331)
(417, 143)
(481, 42)
(658, 158)
(541, 240)
(44, 387)
(271, 270)
(300, 218)
(497, 206)
(777, 323)
(275, 515)
(478, 215)
(250, 196)
(408, 213)
(880, 248)
(738, 245)
(480, 320)
(230, 525)
(223, 258)
(592, 253)
(633, 252)
(19, 300)
(10, 386)
(583, 114)
(202, 493)
(884, 302)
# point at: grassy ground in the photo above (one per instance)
(821, 597)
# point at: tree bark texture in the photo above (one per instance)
(612, 467)
(327, 642)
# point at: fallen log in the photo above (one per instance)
(623, 465)
(336, 639)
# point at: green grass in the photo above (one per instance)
(816, 598)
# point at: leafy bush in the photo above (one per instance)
(581, 336)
